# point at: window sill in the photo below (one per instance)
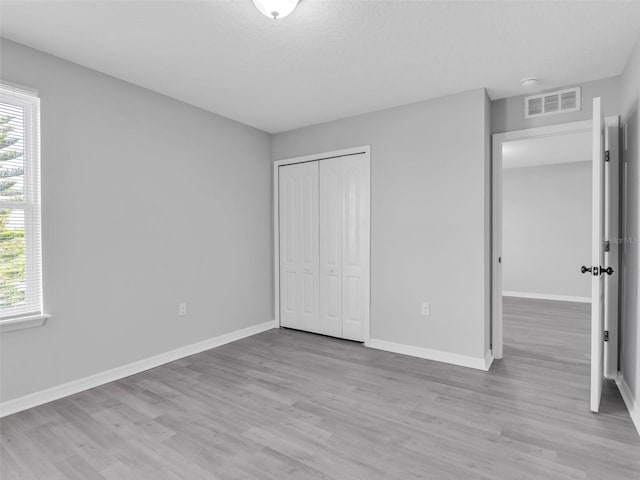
(21, 323)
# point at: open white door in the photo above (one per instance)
(612, 246)
(597, 256)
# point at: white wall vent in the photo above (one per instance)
(562, 101)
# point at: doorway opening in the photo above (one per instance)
(555, 210)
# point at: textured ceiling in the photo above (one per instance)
(329, 59)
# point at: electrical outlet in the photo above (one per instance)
(182, 309)
(426, 309)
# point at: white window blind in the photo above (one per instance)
(20, 244)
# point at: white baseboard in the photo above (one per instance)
(488, 361)
(44, 396)
(429, 354)
(632, 404)
(547, 296)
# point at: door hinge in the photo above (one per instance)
(606, 156)
(606, 335)
(607, 246)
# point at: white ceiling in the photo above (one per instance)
(329, 59)
(551, 150)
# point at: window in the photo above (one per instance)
(20, 257)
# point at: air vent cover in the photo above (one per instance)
(562, 101)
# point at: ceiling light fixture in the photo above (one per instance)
(275, 8)
(529, 82)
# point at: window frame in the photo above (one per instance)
(31, 313)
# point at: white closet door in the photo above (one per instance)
(331, 220)
(344, 240)
(299, 255)
(355, 246)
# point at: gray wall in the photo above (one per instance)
(546, 229)
(147, 202)
(507, 114)
(430, 218)
(630, 331)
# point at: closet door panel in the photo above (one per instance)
(355, 246)
(299, 247)
(288, 268)
(331, 247)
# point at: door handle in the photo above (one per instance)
(597, 270)
(607, 270)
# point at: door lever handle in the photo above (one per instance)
(607, 270)
(597, 270)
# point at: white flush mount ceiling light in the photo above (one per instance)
(529, 82)
(275, 8)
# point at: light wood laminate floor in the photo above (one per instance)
(287, 404)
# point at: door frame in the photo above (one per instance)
(347, 152)
(497, 325)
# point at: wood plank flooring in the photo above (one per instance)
(287, 404)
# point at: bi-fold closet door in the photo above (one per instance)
(324, 246)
